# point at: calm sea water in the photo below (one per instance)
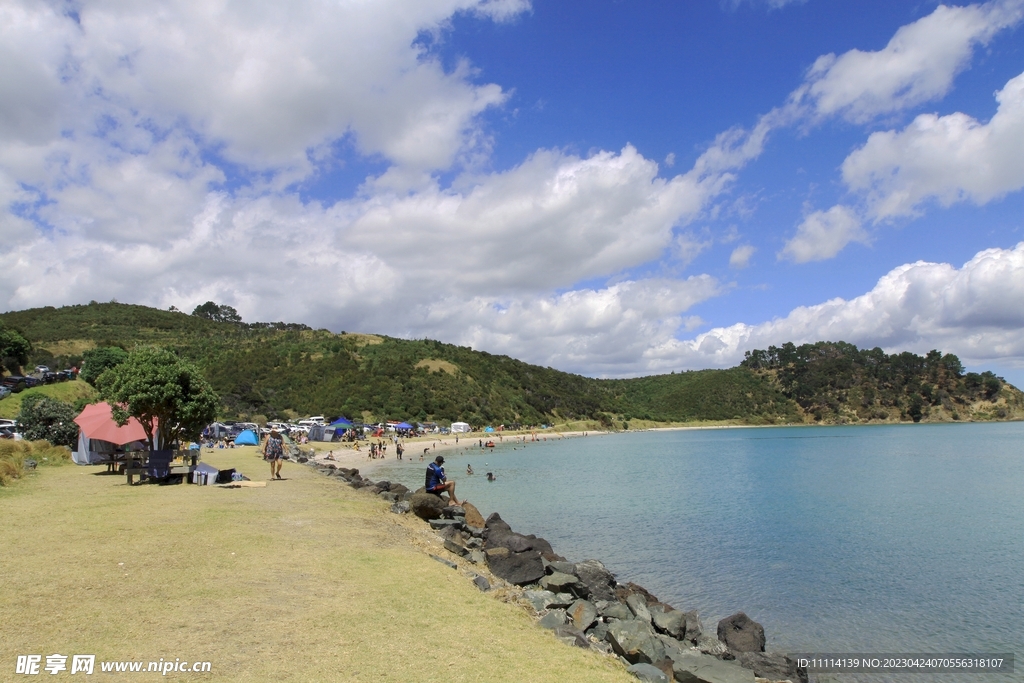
(893, 539)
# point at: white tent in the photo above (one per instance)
(460, 427)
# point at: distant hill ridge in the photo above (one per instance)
(279, 370)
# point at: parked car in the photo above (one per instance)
(8, 424)
(50, 378)
(5, 391)
(32, 382)
(42, 369)
(13, 381)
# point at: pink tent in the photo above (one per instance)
(97, 422)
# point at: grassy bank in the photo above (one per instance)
(302, 580)
(69, 392)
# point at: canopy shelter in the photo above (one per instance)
(460, 427)
(247, 438)
(342, 422)
(403, 425)
(99, 436)
(489, 429)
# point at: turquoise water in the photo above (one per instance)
(903, 538)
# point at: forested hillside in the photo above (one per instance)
(284, 370)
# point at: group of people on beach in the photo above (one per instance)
(379, 450)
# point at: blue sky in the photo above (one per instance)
(611, 188)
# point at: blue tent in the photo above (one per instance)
(342, 422)
(247, 438)
(403, 425)
(489, 429)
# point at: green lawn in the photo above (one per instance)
(303, 580)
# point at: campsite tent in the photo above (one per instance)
(489, 429)
(403, 425)
(99, 436)
(342, 422)
(460, 427)
(247, 438)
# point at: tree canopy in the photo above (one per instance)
(221, 314)
(48, 419)
(97, 361)
(168, 395)
(14, 348)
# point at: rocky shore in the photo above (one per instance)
(582, 602)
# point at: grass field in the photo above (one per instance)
(68, 392)
(304, 580)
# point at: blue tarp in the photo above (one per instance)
(247, 438)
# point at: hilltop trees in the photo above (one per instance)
(169, 396)
(220, 314)
(97, 361)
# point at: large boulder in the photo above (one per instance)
(693, 627)
(696, 667)
(427, 506)
(613, 610)
(539, 599)
(638, 606)
(740, 633)
(558, 582)
(635, 642)
(710, 645)
(599, 581)
(582, 613)
(773, 666)
(570, 635)
(473, 516)
(648, 673)
(672, 622)
(517, 568)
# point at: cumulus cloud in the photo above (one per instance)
(976, 311)
(741, 255)
(918, 64)
(949, 158)
(823, 234)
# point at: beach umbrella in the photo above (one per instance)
(97, 422)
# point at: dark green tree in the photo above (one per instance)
(97, 361)
(42, 417)
(221, 314)
(168, 395)
(14, 349)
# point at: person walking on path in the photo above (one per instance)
(437, 482)
(273, 452)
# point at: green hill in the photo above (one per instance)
(285, 370)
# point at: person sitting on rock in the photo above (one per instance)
(437, 482)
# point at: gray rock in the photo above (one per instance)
(672, 622)
(599, 581)
(302, 460)
(582, 613)
(442, 523)
(384, 485)
(557, 582)
(613, 609)
(772, 665)
(648, 673)
(710, 645)
(638, 606)
(427, 506)
(517, 568)
(445, 562)
(563, 567)
(477, 557)
(635, 642)
(563, 600)
(572, 636)
(539, 599)
(450, 531)
(398, 489)
(673, 648)
(495, 523)
(453, 547)
(552, 619)
(473, 542)
(517, 543)
(477, 531)
(599, 630)
(452, 511)
(693, 626)
(401, 507)
(482, 583)
(702, 668)
(388, 496)
(740, 633)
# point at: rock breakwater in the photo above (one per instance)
(582, 602)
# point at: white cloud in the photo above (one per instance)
(950, 158)
(823, 234)
(918, 65)
(976, 311)
(741, 255)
